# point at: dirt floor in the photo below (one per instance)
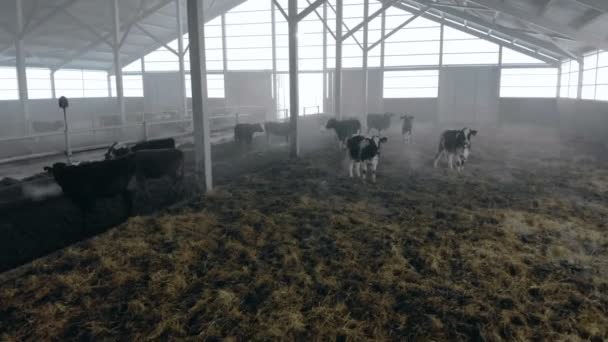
(515, 248)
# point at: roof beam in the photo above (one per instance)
(108, 35)
(542, 10)
(87, 27)
(396, 29)
(593, 38)
(368, 19)
(600, 5)
(54, 12)
(590, 16)
(476, 33)
(156, 39)
(511, 33)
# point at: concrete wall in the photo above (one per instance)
(587, 120)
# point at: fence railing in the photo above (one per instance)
(39, 145)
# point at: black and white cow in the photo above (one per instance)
(364, 152)
(407, 128)
(344, 129)
(457, 144)
(379, 122)
(243, 132)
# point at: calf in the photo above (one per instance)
(277, 128)
(120, 151)
(407, 128)
(380, 122)
(243, 132)
(455, 144)
(87, 182)
(363, 153)
(157, 163)
(344, 129)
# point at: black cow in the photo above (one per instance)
(157, 163)
(364, 152)
(457, 144)
(407, 128)
(87, 182)
(243, 132)
(380, 122)
(115, 152)
(277, 128)
(344, 129)
(46, 126)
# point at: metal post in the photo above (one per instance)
(294, 147)
(110, 85)
(382, 47)
(558, 93)
(198, 76)
(274, 62)
(338, 70)
(325, 56)
(21, 72)
(224, 47)
(441, 28)
(53, 90)
(365, 62)
(182, 68)
(499, 65)
(581, 69)
(117, 64)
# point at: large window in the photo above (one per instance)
(215, 86)
(417, 44)
(9, 88)
(510, 56)
(462, 48)
(569, 79)
(132, 85)
(411, 84)
(81, 83)
(39, 83)
(595, 76)
(528, 82)
(249, 36)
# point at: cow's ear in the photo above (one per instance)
(473, 133)
(383, 139)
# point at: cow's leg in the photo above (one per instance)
(374, 166)
(351, 165)
(126, 197)
(451, 161)
(363, 166)
(358, 169)
(437, 157)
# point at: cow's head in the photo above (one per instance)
(55, 167)
(116, 151)
(407, 117)
(257, 128)
(468, 133)
(378, 141)
(331, 123)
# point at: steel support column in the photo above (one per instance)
(275, 98)
(294, 148)
(21, 72)
(198, 76)
(559, 81)
(53, 89)
(117, 65)
(325, 57)
(581, 69)
(183, 104)
(338, 69)
(365, 63)
(382, 49)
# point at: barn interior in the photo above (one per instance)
(273, 239)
